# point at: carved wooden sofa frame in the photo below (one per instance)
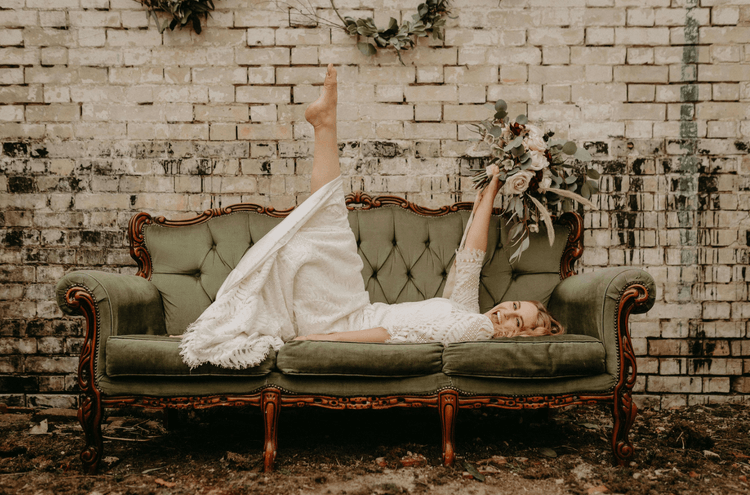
(271, 400)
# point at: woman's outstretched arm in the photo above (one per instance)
(378, 334)
(476, 238)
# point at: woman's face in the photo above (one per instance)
(512, 317)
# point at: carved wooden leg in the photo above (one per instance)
(448, 406)
(270, 403)
(90, 411)
(90, 417)
(624, 411)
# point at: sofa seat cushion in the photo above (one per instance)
(159, 355)
(317, 358)
(526, 357)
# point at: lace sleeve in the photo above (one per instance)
(468, 268)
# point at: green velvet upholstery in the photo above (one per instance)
(526, 358)
(125, 305)
(190, 263)
(596, 384)
(171, 386)
(587, 304)
(359, 359)
(159, 355)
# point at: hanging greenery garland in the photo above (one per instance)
(429, 19)
(183, 12)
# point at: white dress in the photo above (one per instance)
(304, 277)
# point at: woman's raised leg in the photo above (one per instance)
(322, 115)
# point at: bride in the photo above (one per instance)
(302, 280)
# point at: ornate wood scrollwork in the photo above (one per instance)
(341, 403)
(574, 248)
(532, 402)
(368, 202)
(448, 408)
(90, 410)
(138, 249)
(625, 410)
(200, 402)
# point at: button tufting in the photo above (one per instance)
(197, 274)
(394, 242)
(427, 244)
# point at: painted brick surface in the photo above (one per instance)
(101, 118)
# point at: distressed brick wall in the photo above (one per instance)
(102, 117)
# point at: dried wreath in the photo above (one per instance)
(430, 18)
(538, 173)
(183, 12)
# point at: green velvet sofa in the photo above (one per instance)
(128, 359)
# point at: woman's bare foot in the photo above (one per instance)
(322, 112)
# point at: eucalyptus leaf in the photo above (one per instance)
(569, 148)
(593, 185)
(501, 106)
(522, 119)
(586, 190)
(515, 142)
(570, 179)
(582, 154)
(572, 187)
(367, 49)
(594, 174)
(501, 115)
(496, 131)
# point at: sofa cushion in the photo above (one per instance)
(316, 358)
(159, 355)
(526, 357)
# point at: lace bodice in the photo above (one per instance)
(438, 319)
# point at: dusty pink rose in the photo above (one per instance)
(534, 140)
(517, 183)
(538, 160)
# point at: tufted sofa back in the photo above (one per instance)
(406, 257)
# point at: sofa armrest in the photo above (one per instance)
(113, 304)
(599, 304)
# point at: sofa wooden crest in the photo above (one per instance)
(127, 358)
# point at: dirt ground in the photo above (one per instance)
(701, 449)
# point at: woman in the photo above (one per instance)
(302, 280)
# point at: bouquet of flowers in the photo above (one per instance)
(537, 173)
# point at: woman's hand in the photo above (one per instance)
(493, 187)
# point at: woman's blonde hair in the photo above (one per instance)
(546, 324)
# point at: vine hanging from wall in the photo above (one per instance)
(183, 12)
(429, 19)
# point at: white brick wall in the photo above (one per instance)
(100, 118)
